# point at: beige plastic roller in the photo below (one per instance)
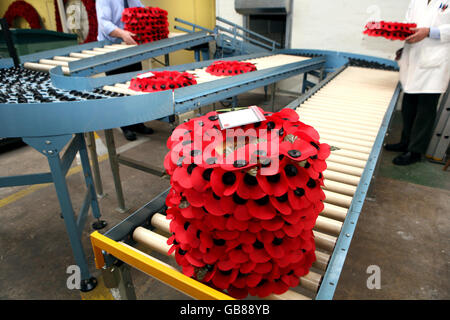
(341, 177)
(324, 241)
(54, 62)
(351, 154)
(43, 67)
(151, 240)
(348, 146)
(338, 167)
(92, 52)
(334, 212)
(337, 199)
(328, 226)
(339, 187)
(80, 55)
(348, 161)
(67, 59)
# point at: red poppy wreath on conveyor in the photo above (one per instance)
(389, 30)
(242, 214)
(230, 68)
(149, 24)
(161, 81)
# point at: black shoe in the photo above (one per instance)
(129, 135)
(406, 158)
(141, 128)
(396, 147)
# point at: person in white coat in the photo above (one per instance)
(424, 64)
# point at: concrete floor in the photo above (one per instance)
(404, 227)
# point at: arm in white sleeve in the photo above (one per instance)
(444, 31)
(435, 33)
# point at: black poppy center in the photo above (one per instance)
(250, 180)
(299, 192)
(213, 118)
(283, 198)
(277, 241)
(226, 273)
(262, 201)
(191, 167)
(182, 252)
(207, 174)
(270, 125)
(258, 244)
(186, 225)
(238, 200)
(290, 170)
(219, 242)
(311, 183)
(273, 179)
(229, 178)
(294, 153)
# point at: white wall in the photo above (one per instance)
(225, 9)
(338, 25)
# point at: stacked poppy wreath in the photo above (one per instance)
(230, 68)
(161, 81)
(149, 24)
(242, 221)
(389, 30)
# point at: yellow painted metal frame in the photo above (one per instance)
(152, 267)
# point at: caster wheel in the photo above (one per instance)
(88, 284)
(100, 224)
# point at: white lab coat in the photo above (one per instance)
(425, 65)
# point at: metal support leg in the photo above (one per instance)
(234, 103)
(95, 167)
(274, 89)
(118, 279)
(266, 90)
(197, 55)
(113, 161)
(167, 60)
(99, 224)
(87, 281)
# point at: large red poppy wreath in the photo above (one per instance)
(243, 204)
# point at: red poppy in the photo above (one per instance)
(274, 185)
(225, 183)
(222, 279)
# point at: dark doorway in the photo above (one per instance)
(270, 26)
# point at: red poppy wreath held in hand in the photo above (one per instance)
(243, 202)
(389, 30)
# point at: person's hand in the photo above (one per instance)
(127, 37)
(419, 35)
